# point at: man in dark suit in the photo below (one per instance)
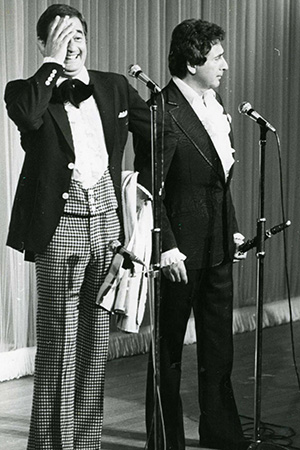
(199, 238)
(74, 125)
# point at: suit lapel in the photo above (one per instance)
(104, 96)
(59, 114)
(187, 120)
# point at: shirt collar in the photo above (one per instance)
(189, 93)
(83, 76)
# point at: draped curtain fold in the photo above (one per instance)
(262, 48)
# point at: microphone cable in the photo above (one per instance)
(285, 261)
(135, 71)
(279, 435)
(152, 291)
(268, 435)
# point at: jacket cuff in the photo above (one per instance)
(172, 256)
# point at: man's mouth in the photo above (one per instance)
(72, 57)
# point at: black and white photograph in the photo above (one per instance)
(150, 225)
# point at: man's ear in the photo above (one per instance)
(41, 46)
(190, 68)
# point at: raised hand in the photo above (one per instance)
(60, 33)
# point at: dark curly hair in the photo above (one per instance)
(42, 27)
(191, 40)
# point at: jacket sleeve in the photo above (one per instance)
(27, 100)
(139, 115)
(143, 165)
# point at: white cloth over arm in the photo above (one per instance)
(123, 293)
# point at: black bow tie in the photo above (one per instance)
(72, 90)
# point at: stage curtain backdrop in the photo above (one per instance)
(262, 49)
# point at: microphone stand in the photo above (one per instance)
(260, 254)
(155, 266)
(155, 272)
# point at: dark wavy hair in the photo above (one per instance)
(191, 40)
(42, 27)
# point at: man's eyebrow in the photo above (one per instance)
(220, 54)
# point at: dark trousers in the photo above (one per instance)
(209, 294)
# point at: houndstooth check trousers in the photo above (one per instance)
(72, 332)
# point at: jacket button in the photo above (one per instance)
(65, 196)
(71, 166)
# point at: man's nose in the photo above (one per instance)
(225, 65)
(71, 45)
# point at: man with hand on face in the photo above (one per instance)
(74, 125)
(199, 239)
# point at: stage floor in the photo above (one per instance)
(125, 393)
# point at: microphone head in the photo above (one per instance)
(134, 70)
(244, 108)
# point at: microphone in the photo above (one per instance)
(136, 72)
(253, 242)
(246, 108)
(116, 247)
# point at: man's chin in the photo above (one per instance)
(72, 70)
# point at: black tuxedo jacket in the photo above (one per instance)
(198, 214)
(49, 153)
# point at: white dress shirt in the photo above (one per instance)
(214, 120)
(91, 158)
